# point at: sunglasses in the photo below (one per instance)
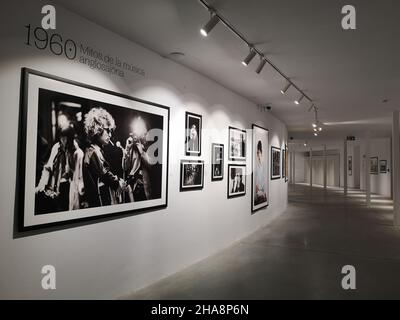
(108, 130)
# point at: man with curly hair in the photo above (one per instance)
(100, 182)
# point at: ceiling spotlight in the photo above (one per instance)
(320, 129)
(305, 144)
(249, 57)
(283, 91)
(299, 100)
(261, 65)
(314, 125)
(315, 129)
(210, 25)
(315, 134)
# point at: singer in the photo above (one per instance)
(136, 164)
(102, 187)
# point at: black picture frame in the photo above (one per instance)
(383, 166)
(240, 185)
(260, 168)
(193, 127)
(350, 165)
(37, 87)
(275, 163)
(373, 165)
(217, 162)
(237, 144)
(286, 163)
(196, 179)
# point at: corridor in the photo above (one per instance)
(300, 255)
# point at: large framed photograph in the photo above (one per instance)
(217, 162)
(193, 131)
(350, 165)
(260, 174)
(275, 163)
(383, 166)
(237, 144)
(87, 153)
(236, 180)
(192, 175)
(373, 165)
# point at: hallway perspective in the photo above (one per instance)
(300, 255)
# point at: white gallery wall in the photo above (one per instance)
(111, 258)
(379, 147)
(381, 182)
(332, 169)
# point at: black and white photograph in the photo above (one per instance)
(383, 166)
(217, 162)
(350, 165)
(275, 163)
(193, 127)
(260, 180)
(286, 170)
(373, 165)
(236, 180)
(237, 144)
(89, 152)
(192, 175)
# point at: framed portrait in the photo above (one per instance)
(193, 130)
(192, 175)
(286, 164)
(260, 174)
(383, 166)
(350, 165)
(236, 180)
(87, 153)
(237, 144)
(217, 162)
(275, 163)
(373, 165)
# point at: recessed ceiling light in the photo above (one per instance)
(176, 55)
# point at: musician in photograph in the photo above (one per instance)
(61, 184)
(102, 187)
(136, 162)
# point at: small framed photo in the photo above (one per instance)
(193, 127)
(373, 165)
(192, 175)
(237, 144)
(350, 165)
(236, 180)
(285, 167)
(217, 162)
(275, 163)
(383, 166)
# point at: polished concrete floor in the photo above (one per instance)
(300, 255)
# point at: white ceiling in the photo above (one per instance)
(347, 73)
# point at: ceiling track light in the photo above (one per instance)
(299, 100)
(286, 88)
(216, 17)
(210, 24)
(261, 65)
(249, 57)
